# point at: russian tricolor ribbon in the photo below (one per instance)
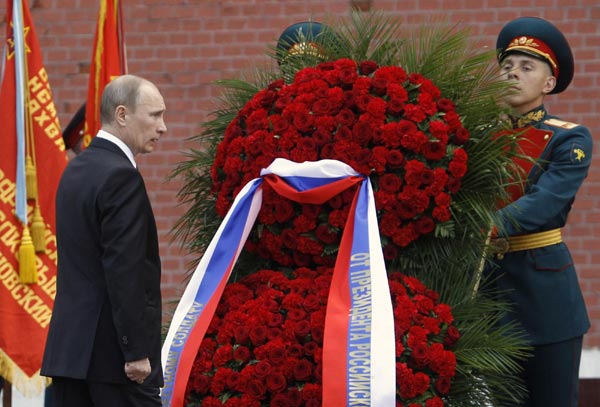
(359, 344)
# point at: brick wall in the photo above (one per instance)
(185, 45)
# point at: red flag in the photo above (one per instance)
(30, 130)
(108, 61)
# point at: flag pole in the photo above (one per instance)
(7, 394)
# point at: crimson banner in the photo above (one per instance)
(31, 142)
(108, 61)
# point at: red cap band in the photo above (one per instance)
(534, 46)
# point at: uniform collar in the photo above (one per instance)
(530, 118)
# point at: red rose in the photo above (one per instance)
(337, 218)
(347, 76)
(414, 140)
(441, 213)
(461, 136)
(453, 119)
(390, 183)
(424, 225)
(362, 133)
(434, 401)
(200, 383)
(312, 391)
(303, 370)
(452, 336)
(284, 211)
(395, 158)
(256, 389)
(323, 107)
(442, 362)
(309, 245)
(457, 169)
(421, 383)
(303, 120)
(242, 354)
(210, 401)
(434, 150)
(258, 334)
(404, 235)
(427, 103)
(311, 303)
(442, 385)
(394, 74)
(280, 400)
(454, 185)
(276, 383)
(444, 313)
(311, 348)
(326, 234)
(367, 67)
(257, 121)
(274, 320)
(414, 112)
(304, 223)
(377, 108)
(379, 86)
(390, 252)
(345, 117)
(302, 329)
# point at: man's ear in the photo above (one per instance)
(120, 113)
(549, 84)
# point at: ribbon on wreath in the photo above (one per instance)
(358, 366)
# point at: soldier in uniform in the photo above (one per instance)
(535, 269)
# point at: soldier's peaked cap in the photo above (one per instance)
(297, 33)
(299, 38)
(74, 130)
(539, 38)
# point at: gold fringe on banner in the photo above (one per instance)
(31, 179)
(38, 230)
(27, 268)
(27, 386)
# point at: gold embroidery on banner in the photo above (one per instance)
(11, 42)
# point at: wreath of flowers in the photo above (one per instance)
(405, 134)
(264, 344)
(393, 127)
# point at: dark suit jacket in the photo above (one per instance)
(542, 283)
(108, 303)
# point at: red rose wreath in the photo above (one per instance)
(395, 128)
(264, 345)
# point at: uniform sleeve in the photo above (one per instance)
(124, 206)
(553, 193)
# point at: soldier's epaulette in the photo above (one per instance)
(560, 123)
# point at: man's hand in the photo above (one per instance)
(137, 370)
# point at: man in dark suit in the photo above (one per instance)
(535, 267)
(104, 341)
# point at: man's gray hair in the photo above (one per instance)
(123, 90)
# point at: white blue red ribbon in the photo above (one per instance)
(359, 366)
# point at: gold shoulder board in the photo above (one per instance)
(560, 123)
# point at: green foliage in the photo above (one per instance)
(450, 262)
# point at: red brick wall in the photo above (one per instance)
(185, 45)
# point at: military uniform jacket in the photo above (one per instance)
(108, 303)
(541, 283)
